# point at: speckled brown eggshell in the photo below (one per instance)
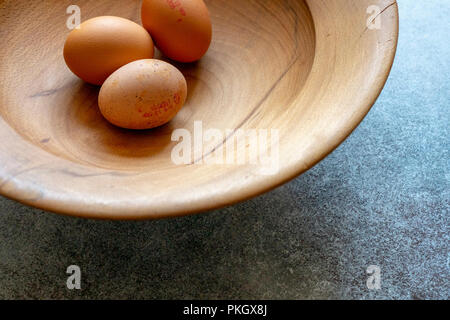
(143, 94)
(181, 29)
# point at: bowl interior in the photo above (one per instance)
(308, 69)
(54, 110)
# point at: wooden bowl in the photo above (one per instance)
(310, 69)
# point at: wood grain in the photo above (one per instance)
(310, 69)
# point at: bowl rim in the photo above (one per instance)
(288, 173)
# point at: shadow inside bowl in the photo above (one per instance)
(87, 120)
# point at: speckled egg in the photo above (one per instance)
(181, 29)
(143, 94)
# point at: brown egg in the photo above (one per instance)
(143, 94)
(181, 29)
(104, 44)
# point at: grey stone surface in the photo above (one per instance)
(381, 198)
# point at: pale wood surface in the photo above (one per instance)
(310, 69)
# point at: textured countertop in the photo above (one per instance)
(382, 198)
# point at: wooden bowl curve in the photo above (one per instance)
(311, 69)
